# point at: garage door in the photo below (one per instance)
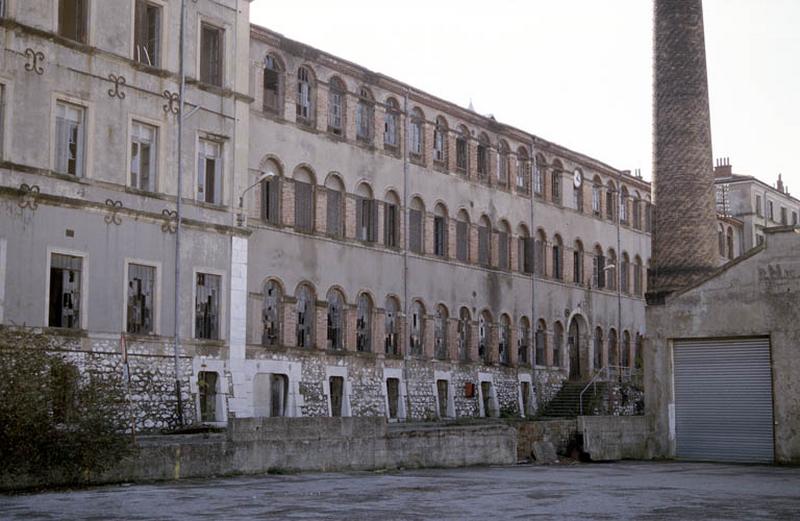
(723, 400)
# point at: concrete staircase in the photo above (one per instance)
(566, 403)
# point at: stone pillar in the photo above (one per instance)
(684, 236)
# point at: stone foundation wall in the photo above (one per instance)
(557, 432)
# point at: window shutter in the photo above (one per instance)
(462, 241)
(415, 231)
(201, 174)
(373, 222)
(334, 203)
(62, 137)
(360, 228)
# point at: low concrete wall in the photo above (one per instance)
(260, 445)
(616, 437)
(557, 432)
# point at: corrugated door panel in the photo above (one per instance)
(723, 400)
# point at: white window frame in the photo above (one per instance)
(157, 295)
(88, 130)
(84, 311)
(223, 294)
(218, 182)
(156, 160)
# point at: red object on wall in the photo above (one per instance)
(469, 390)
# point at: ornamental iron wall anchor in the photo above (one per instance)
(171, 224)
(28, 199)
(35, 59)
(113, 217)
(119, 82)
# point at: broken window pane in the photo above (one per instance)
(70, 137)
(303, 105)
(141, 299)
(65, 291)
(335, 334)
(364, 324)
(273, 86)
(271, 316)
(440, 333)
(391, 343)
(417, 328)
(305, 317)
(207, 298)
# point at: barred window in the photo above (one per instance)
(364, 323)
(271, 314)
(207, 302)
(141, 299)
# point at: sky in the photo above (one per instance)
(576, 72)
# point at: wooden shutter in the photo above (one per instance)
(415, 231)
(334, 213)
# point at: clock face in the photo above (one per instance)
(577, 179)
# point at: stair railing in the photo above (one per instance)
(607, 374)
(598, 375)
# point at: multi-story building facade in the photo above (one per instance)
(753, 202)
(350, 245)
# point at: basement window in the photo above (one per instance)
(207, 299)
(65, 291)
(73, 17)
(147, 33)
(141, 299)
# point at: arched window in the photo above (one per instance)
(503, 246)
(611, 204)
(335, 194)
(597, 195)
(504, 339)
(638, 354)
(524, 341)
(417, 327)
(540, 165)
(558, 258)
(577, 192)
(391, 119)
(502, 163)
(598, 348)
(611, 268)
(337, 106)
(416, 226)
(636, 205)
(484, 336)
(304, 200)
(440, 142)
(729, 242)
(523, 171)
(624, 273)
(391, 221)
(273, 85)
(623, 207)
(271, 314)
(462, 236)
(599, 268)
(271, 193)
(555, 185)
(304, 102)
(392, 327)
(577, 263)
(637, 276)
(558, 341)
(484, 242)
(538, 253)
(365, 115)
(440, 332)
(462, 150)
(417, 137)
(464, 333)
(525, 251)
(364, 323)
(626, 349)
(540, 342)
(304, 315)
(440, 228)
(366, 214)
(483, 158)
(721, 239)
(335, 336)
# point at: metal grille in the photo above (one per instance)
(723, 400)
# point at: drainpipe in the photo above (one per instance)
(181, 95)
(404, 217)
(532, 324)
(620, 202)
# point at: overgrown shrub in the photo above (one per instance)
(54, 420)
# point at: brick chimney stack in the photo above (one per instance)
(780, 187)
(684, 235)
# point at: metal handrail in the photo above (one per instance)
(621, 373)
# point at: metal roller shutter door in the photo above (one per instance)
(723, 400)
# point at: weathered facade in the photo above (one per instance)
(394, 254)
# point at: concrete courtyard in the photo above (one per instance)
(628, 490)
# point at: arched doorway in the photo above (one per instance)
(576, 340)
